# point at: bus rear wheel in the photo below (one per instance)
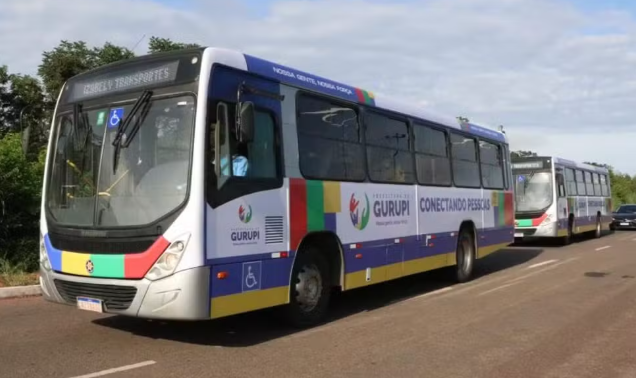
(597, 231)
(309, 289)
(465, 256)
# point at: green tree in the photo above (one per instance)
(30, 111)
(598, 164)
(517, 154)
(623, 185)
(20, 188)
(22, 98)
(156, 45)
(73, 58)
(6, 99)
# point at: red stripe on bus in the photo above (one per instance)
(136, 265)
(297, 211)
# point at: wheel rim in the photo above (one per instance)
(308, 288)
(465, 255)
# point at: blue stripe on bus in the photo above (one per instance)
(483, 132)
(246, 258)
(300, 79)
(225, 82)
(275, 272)
(54, 254)
(493, 236)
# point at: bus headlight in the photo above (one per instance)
(44, 257)
(168, 261)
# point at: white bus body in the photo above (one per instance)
(344, 189)
(555, 197)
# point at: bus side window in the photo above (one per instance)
(561, 185)
(388, 156)
(570, 181)
(589, 185)
(492, 174)
(604, 187)
(329, 144)
(464, 161)
(580, 183)
(597, 184)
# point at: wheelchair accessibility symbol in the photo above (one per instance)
(115, 116)
(252, 276)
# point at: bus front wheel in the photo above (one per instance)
(567, 239)
(309, 290)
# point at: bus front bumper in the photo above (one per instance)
(544, 230)
(183, 295)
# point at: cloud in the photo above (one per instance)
(559, 78)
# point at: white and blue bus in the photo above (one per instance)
(559, 198)
(204, 183)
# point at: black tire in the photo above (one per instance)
(465, 255)
(567, 240)
(598, 231)
(312, 268)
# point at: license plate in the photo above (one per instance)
(89, 304)
(624, 224)
(518, 234)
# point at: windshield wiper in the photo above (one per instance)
(526, 181)
(82, 133)
(143, 100)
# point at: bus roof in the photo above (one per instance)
(564, 162)
(297, 78)
(573, 164)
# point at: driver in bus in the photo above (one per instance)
(240, 163)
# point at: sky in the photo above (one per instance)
(559, 75)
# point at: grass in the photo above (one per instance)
(15, 274)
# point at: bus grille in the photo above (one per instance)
(527, 231)
(101, 246)
(114, 297)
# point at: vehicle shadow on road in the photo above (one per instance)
(556, 243)
(262, 326)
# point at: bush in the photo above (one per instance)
(20, 194)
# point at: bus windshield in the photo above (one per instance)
(151, 176)
(533, 191)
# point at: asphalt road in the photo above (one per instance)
(533, 311)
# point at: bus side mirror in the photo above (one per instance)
(220, 132)
(247, 119)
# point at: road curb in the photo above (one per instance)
(19, 291)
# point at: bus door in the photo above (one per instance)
(246, 189)
(561, 198)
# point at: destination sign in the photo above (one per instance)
(528, 165)
(123, 80)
